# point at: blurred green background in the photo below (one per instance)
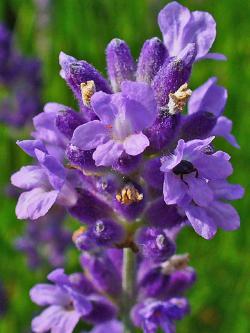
(221, 298)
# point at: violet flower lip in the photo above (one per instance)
(134, 170)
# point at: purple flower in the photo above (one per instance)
(155, 244)
(218, 214)
(66, 304)
(212, 98)
(102, 272)
(104, 233)
(153, 314)
(179, 27)
(187, 170)
(167, 279)
(188, 175)
(123, 117)
(45, 183)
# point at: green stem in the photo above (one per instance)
(128, 279)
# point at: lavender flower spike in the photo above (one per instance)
(138, 170)
(123, 116)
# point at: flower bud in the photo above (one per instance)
(120, 63)
(197, 125)
(127, 164)
(163, 132)
(173, 73)
(81, 71)
(159, 214)
(154, 244)
(152, 173)
(152, 57)
(104, 233)
(75, 72)
(180, 281)
(89, 208)
(102, 272)
(81, 159)
(67, 121)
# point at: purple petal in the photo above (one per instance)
(223, 190)
(81, 304)
(214, 56)
(103, 107)
(174, 188)
(35, 203)
(145, 112)
(199, 191)
(58, 277)
(52, 107)
(65, 60)
(172, 20)
(224, 216)
(180, 27)
(54, 169)
(56, 320)
(108, 153)
(135, 144)
(44, 124)
(193, 148)
(29, 177)
(202, 223)
(90, 135)
(170, 161)
(223, 128)
(29, 146)
(201, 29)
(48, 294)
(213, 167)
(68, 196)
(209, 98)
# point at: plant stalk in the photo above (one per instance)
(128, 287)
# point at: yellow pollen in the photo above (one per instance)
(87, 90)
(128, 195)
(78, 233)
(178, 100)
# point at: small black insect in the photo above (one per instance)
(184, 168)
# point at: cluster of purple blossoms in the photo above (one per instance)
(20, 83)
(135, 170)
